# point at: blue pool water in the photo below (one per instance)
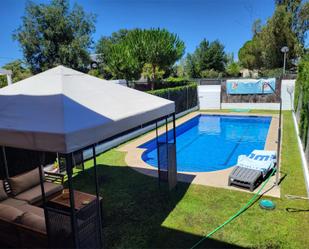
(213, 142)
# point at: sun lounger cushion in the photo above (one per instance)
(13, 202)
(23, 206)
(261, 160)
(3, 194)
(10, 213)
(34, 194)
(32, 220)
(24, 181)
(32, 209)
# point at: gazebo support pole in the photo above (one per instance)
(167, 148)
(158, 154)
(69, 170)
(6, 169)
(41, 173)
(97, 193)
(174, 135)
(174, 127)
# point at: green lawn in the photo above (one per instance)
(137, 214)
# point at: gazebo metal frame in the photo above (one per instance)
(69, 170)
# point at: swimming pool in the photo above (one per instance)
(213, 142)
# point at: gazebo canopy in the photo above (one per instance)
(63, 110)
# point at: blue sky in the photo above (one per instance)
(229, 21)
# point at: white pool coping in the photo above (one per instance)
(218, 178)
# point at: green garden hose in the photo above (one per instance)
(236, 214)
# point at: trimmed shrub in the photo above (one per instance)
(211, 74)
(302, 94)
(171, 82)
(277, 73)
(185, 97)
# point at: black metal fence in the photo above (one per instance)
(185, 97)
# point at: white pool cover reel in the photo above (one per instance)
(63, 110)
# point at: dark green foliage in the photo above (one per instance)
(250, 55)
(302, 93)
(19, 72)
(173, 82)
(299, 11)
(127, 53)
(122, 62)
(103, 50)
(276, 72)
(207, 56)
(52, 34)
(185, 97)
(233, 69)
(264, 50)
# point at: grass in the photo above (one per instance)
(139, 214)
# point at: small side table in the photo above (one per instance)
(87, 220)
(81, 200)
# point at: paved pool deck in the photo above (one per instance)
(218, 179)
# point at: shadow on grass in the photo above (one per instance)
(134, 208)
(296, 210)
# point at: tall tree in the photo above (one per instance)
(122, 63)
(156, 47)
(103, 50)
(264, 50)
(154, 50)
(52, 34)
(207, 56)
(299, 11)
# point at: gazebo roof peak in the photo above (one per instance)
(63, 110)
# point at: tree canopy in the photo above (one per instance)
(287, 27)
(208, 56)
(53, 34)
(264, 50)
(127, 53)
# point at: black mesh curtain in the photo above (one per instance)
(21, 160)
(166, 154)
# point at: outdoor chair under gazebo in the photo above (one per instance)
(65, 111)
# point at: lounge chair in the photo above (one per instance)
(251, 170)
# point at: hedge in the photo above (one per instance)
(185, 97)
(171, 82)
(302, 94)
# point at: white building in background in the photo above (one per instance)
(247, 73)
(8, 74)
(119, 82)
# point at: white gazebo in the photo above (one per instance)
(62, 110)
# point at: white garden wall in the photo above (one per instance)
(209, 96)
(254, 106)
(287, 94)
